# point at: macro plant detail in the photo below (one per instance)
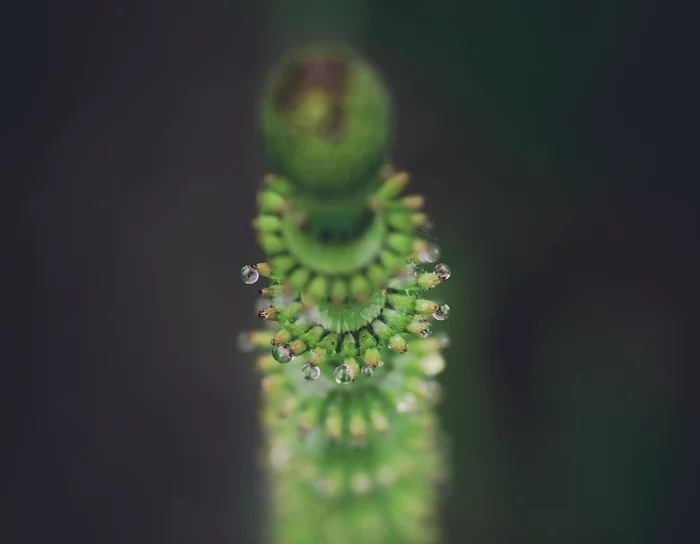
(346, 353)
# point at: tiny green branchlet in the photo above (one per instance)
(347, 357)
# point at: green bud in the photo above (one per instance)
(326, 120)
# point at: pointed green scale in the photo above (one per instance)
(399, 242)
(289, 312)
(401, 220)
(314, 336)
(425, 306)
(260, 338)
(429, 280)
(339, 289)
(392, 187)
(348, 346)
(269, 223)
(299, 278)
(271, 202)
(298, 347)
(395, 319)
(391, 261)
(282, 264)
(318, 288)
(352, 363)
(398, 344)
(359, 286)
(366, 339)
(283, 336)
(372, 357)
(272, 244)
(318, 356)
(330, 342)
(298, 328)
(419, 328)
(382, 330)
(378, 275)
(401, 302)
(281, 186)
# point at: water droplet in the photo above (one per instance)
(442, 313)
(249, 274)
(367, 371)
(443, 271)
(430, 254)
(310, 372)
(282, 353)
(344, 374)
(426, 330)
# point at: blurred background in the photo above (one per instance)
(550, 141)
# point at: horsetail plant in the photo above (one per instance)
(352, 442)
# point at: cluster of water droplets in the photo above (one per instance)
(344, 373)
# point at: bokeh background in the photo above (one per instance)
(549, 139)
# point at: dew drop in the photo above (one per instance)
(282, 353)
(344, 374)
(310, 372)
(367, 371)
(443, 341)
(427, 329)
(249, 274)
(443, 271)
(442, 313)
(430, 254)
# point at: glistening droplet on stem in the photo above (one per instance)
(430, 254)
(344, 374)
(442, 313)
(443, 271)
(249, 275)
(310, 372)
(282, 353)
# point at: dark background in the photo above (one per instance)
(552, 141)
